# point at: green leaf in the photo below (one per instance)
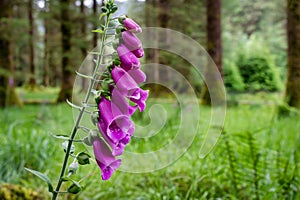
(97, 31)
(43, 177)
(83, 158)
(74, 188)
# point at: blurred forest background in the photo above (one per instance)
(46, 41)
(255, 45)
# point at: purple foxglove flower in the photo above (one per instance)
(128, 59)
(117, 147)
(131, 41)
(121, 104)
(132, 26)
(138, 75)
(129, 88)
(104, 158)
(140, 102)
(139, 52)
(114, 124)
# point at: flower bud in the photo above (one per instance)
(128, 59)
(73, 167)
(132, 26)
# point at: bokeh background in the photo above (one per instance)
(255, 46)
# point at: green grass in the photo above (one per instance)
(40, 94)
(256, 158)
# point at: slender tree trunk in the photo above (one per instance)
(8, 95)
(83, 49)
(213, 45)
(52, 49)
(292, 93)
(95, 38)
(5, 9)
(32, 81)
(164, 22)
(67, 70)
(46, 59)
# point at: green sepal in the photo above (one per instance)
(117, 62)
(74, 188)
(43, 177)
(121, 19)
(120, 29)
(83, 158)
(105, 84)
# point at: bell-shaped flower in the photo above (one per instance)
(141, 101)
(131, 41)
(138, 75)
(121, 103)
(104, 158)
(128, 59)
(129, 88)
(114, 124)
(138, 52)
(117, 147)
(131, 25)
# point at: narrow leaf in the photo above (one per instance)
(73, 105)
(102, 15)
(83, 75)
(63, 137)
(43, 177)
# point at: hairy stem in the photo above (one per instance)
(82, 110)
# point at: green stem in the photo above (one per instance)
(79, 117)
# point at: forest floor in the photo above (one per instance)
(256, 157)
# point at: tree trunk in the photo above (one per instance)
(163, 22)
(46, 80)
(67, 70)
(8, 95)
(31, 81)
(83, 48)
(292, 93)
(95, 38)
(213, 45)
